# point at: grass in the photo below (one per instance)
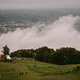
(42, 71)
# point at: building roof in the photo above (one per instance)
(8, 57)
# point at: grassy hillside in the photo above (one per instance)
(42, 71)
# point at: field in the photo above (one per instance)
(42, 71)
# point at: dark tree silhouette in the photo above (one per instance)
(62, 56)
(6, 50)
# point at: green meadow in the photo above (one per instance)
(42, 71)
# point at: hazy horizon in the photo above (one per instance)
(38, 4)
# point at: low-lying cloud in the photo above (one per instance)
(60, 33)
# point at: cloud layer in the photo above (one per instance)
(60, 33)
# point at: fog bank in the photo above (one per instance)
(60, 33)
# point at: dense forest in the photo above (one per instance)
(62, 56)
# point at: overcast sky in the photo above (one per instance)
(37, 4)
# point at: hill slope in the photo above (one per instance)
(42, 71)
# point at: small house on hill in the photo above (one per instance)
(5, 58)
(8, 57)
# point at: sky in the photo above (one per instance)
(38, 4)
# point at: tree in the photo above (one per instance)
(6, 50)
(44, 54)
(66, 56)
(23, 53)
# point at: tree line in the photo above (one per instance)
(62, 56)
